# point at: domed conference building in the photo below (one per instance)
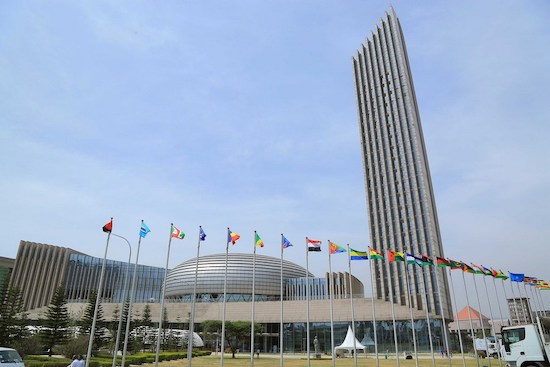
(39, 268)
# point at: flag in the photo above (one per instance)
(487, 270)
(176, 233)
(375, 254)
(286, 243)
(232, 236)
(314, 245)
(479, 270)
(442, 263)
(143, 230)
(358, 255)
(394, 256)
(334, 248)
(108, 227)
(515, 277)
(467, 268)
(426, 261)
(530, 280)
(501, 275)
(455, 264)
(411, 259)
(202, 235)
(259, 241)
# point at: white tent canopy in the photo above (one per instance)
(348, 344)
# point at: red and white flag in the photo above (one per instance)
(314, 245)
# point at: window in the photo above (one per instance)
(512, 336)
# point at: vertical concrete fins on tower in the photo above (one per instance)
(400, 198)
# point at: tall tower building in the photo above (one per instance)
(400, 198)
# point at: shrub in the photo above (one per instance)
(74, 347)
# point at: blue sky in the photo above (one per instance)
(243, 114)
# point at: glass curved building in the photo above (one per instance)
(211, 276)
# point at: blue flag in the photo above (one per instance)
(286, 243)
(517, 277)
(144, 230)
(202, 235)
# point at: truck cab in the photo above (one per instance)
(528, 344)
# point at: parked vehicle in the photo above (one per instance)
(488, 347)
(528, 344)
(10, 358)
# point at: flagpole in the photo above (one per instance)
(515, 301)
(444, 328)
(281, 331)
(353, 311)
(373, 310)
(492, 320)
(470, 315)
(191, 332)
(519, 295)
(541, 301)
(535, 300)
(480, 318)
(506, 297)
(390, 293)
(307, 304)
(428, 322)
(527, 302)
(253, 296)
(98, 298)
(457, 320)
(406, 265)
(132, 295)
(222, 351)
(498, 303)
(331, 298)
(161, 316)
(122, 299)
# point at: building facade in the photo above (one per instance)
(400, 198)
(39, 269)
(520, 310)
(79, 274)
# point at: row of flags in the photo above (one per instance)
(393, 256)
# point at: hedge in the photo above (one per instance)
(134, 359)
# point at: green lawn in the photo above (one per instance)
(297, 361)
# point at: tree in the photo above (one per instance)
(113, 325)
(165, 324)
(13, 319)
(146, 319)
(211, 329)
(87, 321)
(131, 340)
(145, 324)
(55, 330)
(235, 331)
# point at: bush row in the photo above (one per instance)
(135, 359)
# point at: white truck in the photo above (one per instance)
(527, 345)
(488, 347)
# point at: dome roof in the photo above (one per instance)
(211, 273)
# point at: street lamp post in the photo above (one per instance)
(123, 300)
